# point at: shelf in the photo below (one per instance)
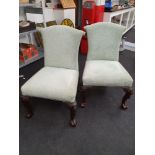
(115, 13)
(123, 17)
(41, 55)
(26, 4)
(27, 32)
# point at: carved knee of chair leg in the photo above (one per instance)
(128, 93)
(83, 96)
(72, 121)
(26, 103)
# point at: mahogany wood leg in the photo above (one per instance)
(26, 103)
(83, 97)
(72, 121)
(128, 93)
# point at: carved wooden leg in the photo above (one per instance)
(26, 103)
(83, 97)
(73, 121)
(128, 93)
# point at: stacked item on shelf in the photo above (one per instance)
(131, 2)
(67, 22)
(115, 5)
(25, 26)
(50, 23)
(38, 39)
(27, 52)
(23, 1)
(65, 4)
(68, 4)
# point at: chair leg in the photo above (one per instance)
(26, 103)
(128, 93)
(83, 96)
(72, 121)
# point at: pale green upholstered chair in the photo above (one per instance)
(58, 79)
(102, 67)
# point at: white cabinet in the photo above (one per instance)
(124, 17)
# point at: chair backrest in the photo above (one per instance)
(104, 41)
(61, 46)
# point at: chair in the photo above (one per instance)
(102, 67)
(58, 79)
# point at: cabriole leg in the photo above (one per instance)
(128, 93)
(72, 121)
(26, 103)
(83, 97)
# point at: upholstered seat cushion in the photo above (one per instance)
(106, 73)
(53, 83)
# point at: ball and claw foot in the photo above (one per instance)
(83, 104)
(28, 115)
(73, 123)
(124, 106)
(128, 93)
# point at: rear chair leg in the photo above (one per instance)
(128, 93)
(72, 121)
(26, 103)
(83, 96)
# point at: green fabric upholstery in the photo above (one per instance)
(104, 41)
(52, 83)
(102, 67)
(106, 73)
(61, 46)
(58, 80)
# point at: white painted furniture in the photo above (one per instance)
(124, 17)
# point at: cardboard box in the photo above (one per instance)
(68, 4)
(23, 1)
